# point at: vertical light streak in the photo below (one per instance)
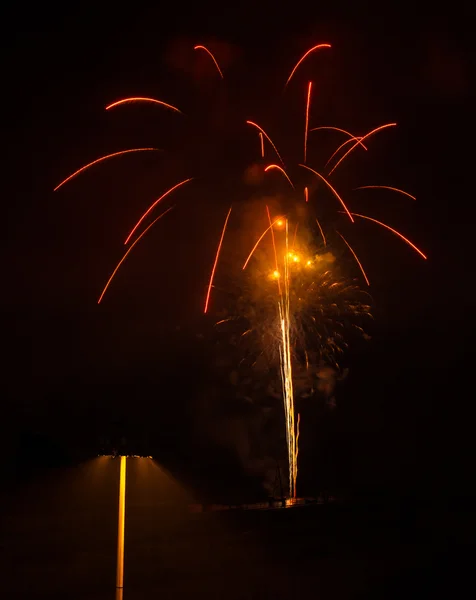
(267, 137)
(274, 247)
(306, 194)
(306, 126)
(207, 300)
(121, 527)
(287, 372)
(262, 144)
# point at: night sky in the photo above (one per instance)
(75, 371)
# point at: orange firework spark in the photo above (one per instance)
(332, 189)
(153, 205)
(98, 160)
(207, 300)
(341, 146)
(128, 250)
(259, 240)
(306, 127)
(212, 57)
(360, 141)
(342, 131)
(306, 194)
(140, 99)
(295, 234)
(305, 56)
(269, 167)
(385, 187)
(322, 233)
(356, 258)
(262, 144)
(267, 137)
(400, 235)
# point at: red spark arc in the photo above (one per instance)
(267, 137)
(385, 187)
(397, 233)
(360, 141)
(356, 258)
(98, 160)
(140, 99)
(153, 205)
(269, 167)
(128, 250)
(341, 146)
(332, 190)
(207, 300)
(258, 241)
(212, 57)
(306, 127)
(342, 131)
(305, 56)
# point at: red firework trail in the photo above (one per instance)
(332, 190)
(305, 56)
(342, 131)
(140, 99)
(127, 253)
(306, 127)
(262, 144)
(269, 167)
(397, 233)
(258, 241)
(341, 146)
(267, 137)
(306, 194)
(360, 141)
(322, 233)
(212, 57)
(207, 300)
(98, 160)
(356, 258)
(385, 187)
(153, 205)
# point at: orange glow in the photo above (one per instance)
(367, 135)
(356, 258)
(306, 127)
(342, 131)
(276, 222)
(139, 99)
(207, 300)
(305, 56)
(276, 274)
(268, 138)
(385, 187)
(322, 233)
(341, 146)
(262, 144)
(98, 160)
(127, 253)
(153, 205)
(331, 188)
(212, 57)
(269, 167)
(274, 246)
(306, 194)
(406, 240)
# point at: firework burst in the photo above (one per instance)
(291, 301)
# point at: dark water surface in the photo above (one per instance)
(58, 540)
